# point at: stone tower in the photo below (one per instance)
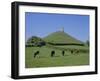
(62, 29)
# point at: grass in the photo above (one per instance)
(61, 37)
(44, 58)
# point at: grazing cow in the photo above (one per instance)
(63, 53)
(36, 53)
(52, 53)
(72, 51)
(77, 51)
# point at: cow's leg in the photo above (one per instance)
(63, 53)
(34, 55)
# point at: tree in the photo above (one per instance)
(35, 41)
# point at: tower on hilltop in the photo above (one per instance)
(62, 29)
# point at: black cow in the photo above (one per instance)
(77, 51)
(63, 53)
(72, 51)
(36, 53)
(52, 53)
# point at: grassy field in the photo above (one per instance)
(44, 58)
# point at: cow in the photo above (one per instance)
(36, 53)
(52, 53)
(63, 53)
(77, 51)
(72, 51)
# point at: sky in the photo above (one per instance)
(43, 24)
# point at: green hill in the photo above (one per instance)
(62, 38)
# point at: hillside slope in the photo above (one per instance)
(62, 38)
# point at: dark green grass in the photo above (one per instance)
(44, 58)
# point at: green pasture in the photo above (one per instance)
(44, 58)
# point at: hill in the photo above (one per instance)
(61, 37)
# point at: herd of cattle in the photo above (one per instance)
(75, 51)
